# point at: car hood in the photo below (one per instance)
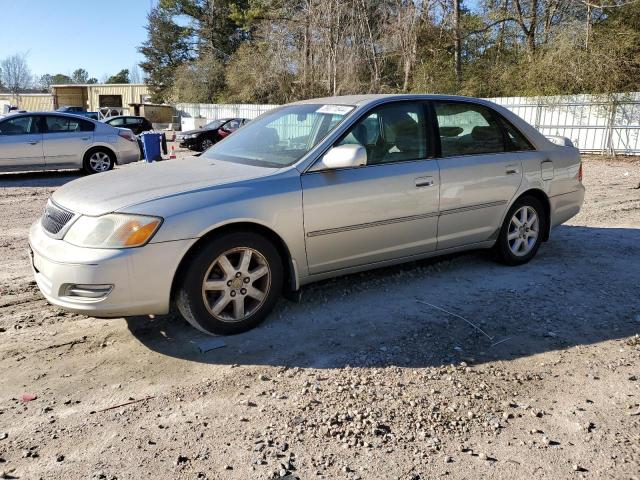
(110, 191)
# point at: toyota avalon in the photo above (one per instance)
(307, 191)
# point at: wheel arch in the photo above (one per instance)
(290, 270)
(542, 197)
(95, 148)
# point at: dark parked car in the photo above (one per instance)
(211, 133)
(136, 124)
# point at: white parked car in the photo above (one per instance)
(53, 140)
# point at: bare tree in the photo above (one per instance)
(134, 74)
(457, 41)
(16, 75)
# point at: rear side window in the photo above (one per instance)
(19, 126)
(467, 129)
(66, 124)
(133, 121)
(232, 125)
(518, 142)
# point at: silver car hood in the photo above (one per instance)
(110, 191)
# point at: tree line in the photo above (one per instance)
(16, 76)
(275, 51)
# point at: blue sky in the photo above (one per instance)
(59, 36)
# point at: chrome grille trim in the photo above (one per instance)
(55, 218)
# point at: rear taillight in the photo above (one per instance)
(580, 172)
(128, 135)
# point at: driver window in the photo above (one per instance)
(391, 133)
(22, 125)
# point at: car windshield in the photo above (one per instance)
(280, 137)
(215, 124)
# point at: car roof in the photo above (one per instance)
(361, 100)
(58, 114)
(124, 116)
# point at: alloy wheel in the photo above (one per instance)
(236, 284)
(99, 162)
(523, 232)
(206, 143)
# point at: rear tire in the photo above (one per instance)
(231, 284)
(521, 233)
(98, 160)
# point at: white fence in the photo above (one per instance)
(597, 124)
(213, 111)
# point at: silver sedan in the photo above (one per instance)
(308, 191)
(53, 140)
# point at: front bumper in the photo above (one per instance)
(141, 277)
(190, 143)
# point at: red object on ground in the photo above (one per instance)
(173, 152)
(27, 397)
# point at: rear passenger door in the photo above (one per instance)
(65, 140)
(20, 144)
(479, 173)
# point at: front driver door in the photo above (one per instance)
(21, 144)
(385, 210)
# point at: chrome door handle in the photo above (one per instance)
(511, 169)
(424, 181)
(34, 142)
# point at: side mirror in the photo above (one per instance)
(344, 156)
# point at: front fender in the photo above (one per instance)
(273, 202)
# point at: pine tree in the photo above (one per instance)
(166, 49)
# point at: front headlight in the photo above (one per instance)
(114, 230)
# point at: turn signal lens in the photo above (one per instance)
(134, 232)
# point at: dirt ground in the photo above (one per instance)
(363, 379)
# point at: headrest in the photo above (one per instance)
(451, 131)
(484, 133)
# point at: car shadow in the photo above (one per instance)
(54, 178)
(580, 289)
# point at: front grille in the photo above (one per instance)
(55, 218)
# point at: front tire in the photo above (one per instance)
(231, 284)
(205, 144)
(521, 233)
(98, 161)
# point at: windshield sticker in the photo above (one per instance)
(334, 109)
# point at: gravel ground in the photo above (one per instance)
(364, 378)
